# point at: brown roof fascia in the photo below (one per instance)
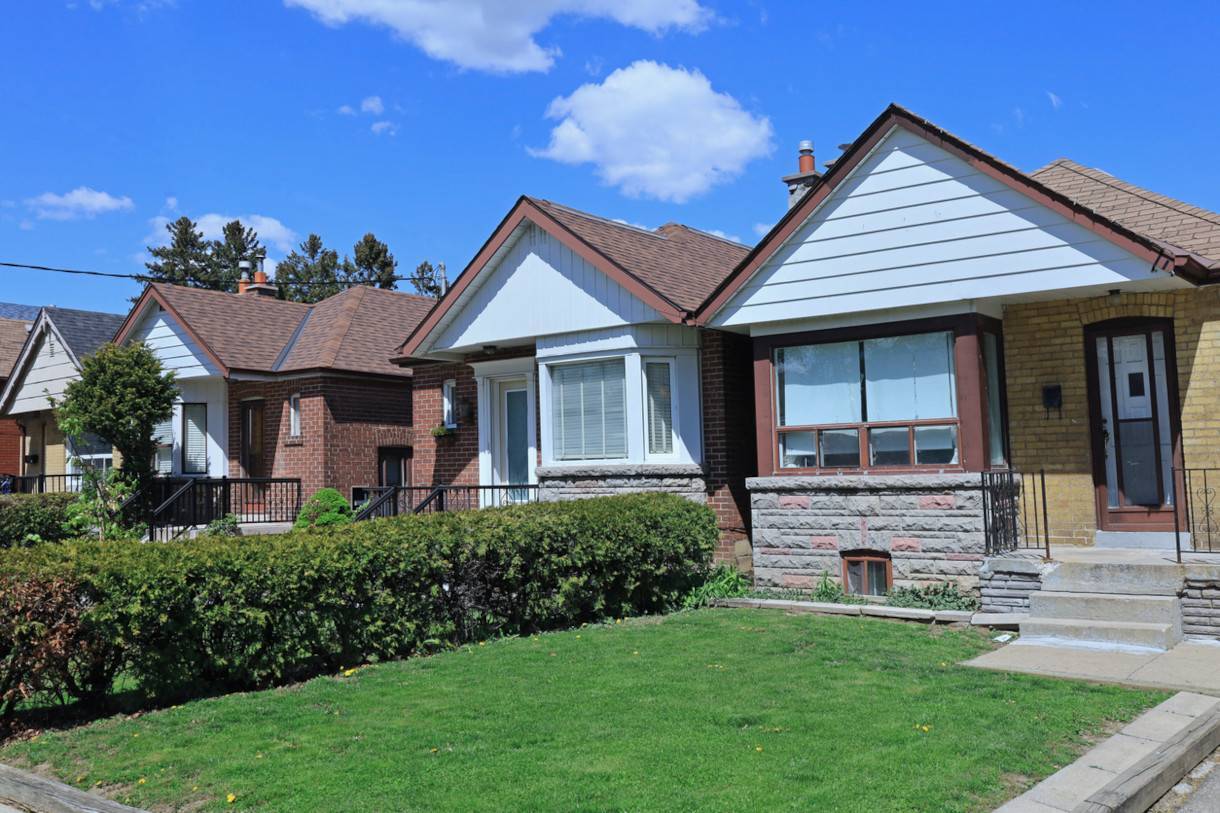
(987, 164)
(526, 209)
(151, 291)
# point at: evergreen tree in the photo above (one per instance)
(427, 280)
(237, 243)
(309, 274)
(186, 260)
(371, 264)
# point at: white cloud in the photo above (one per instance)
(80, 202)
(372, 104)
(1054, 99)
(171, 204)
(1018, 115)
(723, 235)
(271, 232)
(656, 131)
(761, 228)
(346, 110)
(498, 35)
(384, 128)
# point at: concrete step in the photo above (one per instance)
(1105, 607)
(1118, 634)
(1141, 540)
(1125, 578)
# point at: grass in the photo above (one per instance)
(705, 710)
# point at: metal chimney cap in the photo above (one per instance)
(244, 265)
(805, 146)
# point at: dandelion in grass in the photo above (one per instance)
(231, 798)
(142, 781)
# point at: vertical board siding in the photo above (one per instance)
(173, 346)
(914, 225)
(619, 338)
(539, 287)
(48, 374)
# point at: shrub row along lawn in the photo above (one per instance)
(704, 710)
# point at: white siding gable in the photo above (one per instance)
(48, 372)
(537, 287)
(914, 225)
(172, 345)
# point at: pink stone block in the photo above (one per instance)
(796, 580)
(905, 543)
(937, 502)
(793, 501)
(823, 543)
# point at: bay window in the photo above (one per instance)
(879, 402)
(659, 397)
(588, 410)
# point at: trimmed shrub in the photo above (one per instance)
(217, 613)
(326, 507)
(29, 518)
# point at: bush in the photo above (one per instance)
(325, 508)
(29, 518)
(944, 596)
(723, 582)
(217, 613)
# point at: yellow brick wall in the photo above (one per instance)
(1044, 344)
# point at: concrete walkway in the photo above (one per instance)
(1189, 666)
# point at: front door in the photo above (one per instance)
(513, 447)
(1135, 423)
(394, 466)
(252, 439)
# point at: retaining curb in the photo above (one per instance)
(824, 608)
(48, 796)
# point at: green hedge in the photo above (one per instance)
(26, 515)
(216, 614)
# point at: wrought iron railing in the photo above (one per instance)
(1196, 516)
(40, 483)
(197, 501)
(1014, 512)
(396, 500)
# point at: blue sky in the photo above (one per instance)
(422, 122)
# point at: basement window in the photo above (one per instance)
(867, 573)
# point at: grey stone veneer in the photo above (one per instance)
(575, 482)
(1201, 606)
(931, 525)
(1006, 583)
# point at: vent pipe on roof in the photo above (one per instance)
(259, 287)
(806, 174)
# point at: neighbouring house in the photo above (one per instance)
(563, 357)
(15, 324)
(278, 389)
(49, 358)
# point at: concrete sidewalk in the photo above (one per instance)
(1189, 666)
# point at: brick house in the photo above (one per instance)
(271, 388)
(564, 356)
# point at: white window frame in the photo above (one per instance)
(449, 403)
(294, 415)
(182, 457)
(101, 462)
(674, 410)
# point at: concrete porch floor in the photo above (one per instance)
(1209, 562)
(1190, 666)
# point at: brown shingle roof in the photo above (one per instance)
(12, 337)
(1156, 216)
(357, 330)
(682, 264)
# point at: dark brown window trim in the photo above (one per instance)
(866, 556)
(970, 385)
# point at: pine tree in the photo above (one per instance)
(237, 243)
(427, 280)
(371, 264)
(186, 260)
(310, 274)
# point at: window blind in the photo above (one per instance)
(660, 407)
(163, 434)
(294, 410)
(194, 438)
(589, 414)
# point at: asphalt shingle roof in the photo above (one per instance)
(13, 333)
(24, 313)
(84, 331)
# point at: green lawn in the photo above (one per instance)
(711, 710)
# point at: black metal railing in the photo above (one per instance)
(194, 502)
(1196, 515)
(1014, 512)
(40, 483)
(396, 500)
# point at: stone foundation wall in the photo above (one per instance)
(1005, 583)
(557, 483)
(931, 525)
(1201, 607)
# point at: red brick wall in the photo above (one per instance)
(10, 447)
(726, 368)
(451, 460)
(343, 423)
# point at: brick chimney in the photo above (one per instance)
(806, 174)
(259, 287)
